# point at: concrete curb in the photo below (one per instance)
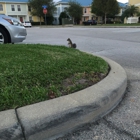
(86, 26)
(56, 117)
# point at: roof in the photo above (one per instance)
(82, 2)
(88, 2)
(14, 1)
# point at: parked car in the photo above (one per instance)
(90, 22)
(27, 24)
(11, 30)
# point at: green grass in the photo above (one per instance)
(31, 73)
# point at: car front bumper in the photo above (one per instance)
(17, 33)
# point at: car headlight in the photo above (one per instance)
(13, 22)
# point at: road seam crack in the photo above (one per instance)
(20, 123)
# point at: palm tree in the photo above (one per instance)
(138, 14)
(131, 11)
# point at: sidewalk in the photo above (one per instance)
(51, 119)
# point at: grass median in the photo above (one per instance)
(30, 73)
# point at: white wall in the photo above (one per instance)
(17, 14)
(60, 8)
(132, 20)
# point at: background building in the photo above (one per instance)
(87, 15)
(15, 8)
(134, 2)
(60, 7)
(18, 9)
(62, 4)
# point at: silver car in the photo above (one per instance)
(11, 30)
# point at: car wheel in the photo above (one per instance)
(3, 37)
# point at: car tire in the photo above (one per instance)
(3, 37)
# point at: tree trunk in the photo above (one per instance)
(105, 18)
(73, 21)
(40, 20)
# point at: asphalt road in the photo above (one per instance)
(119, 44)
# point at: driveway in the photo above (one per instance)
(119, 44)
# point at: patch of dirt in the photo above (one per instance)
(78, 82)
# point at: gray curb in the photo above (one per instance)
(84, 26)
(54, 118)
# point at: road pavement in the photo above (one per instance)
(119, 44)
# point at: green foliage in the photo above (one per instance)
(130, 11)
(62, 15)
(75, 11)
(37, 10)
(96, 7)
(113, 8)
(49, 19)
(138, 14)
(105, 8)
(31, 73)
